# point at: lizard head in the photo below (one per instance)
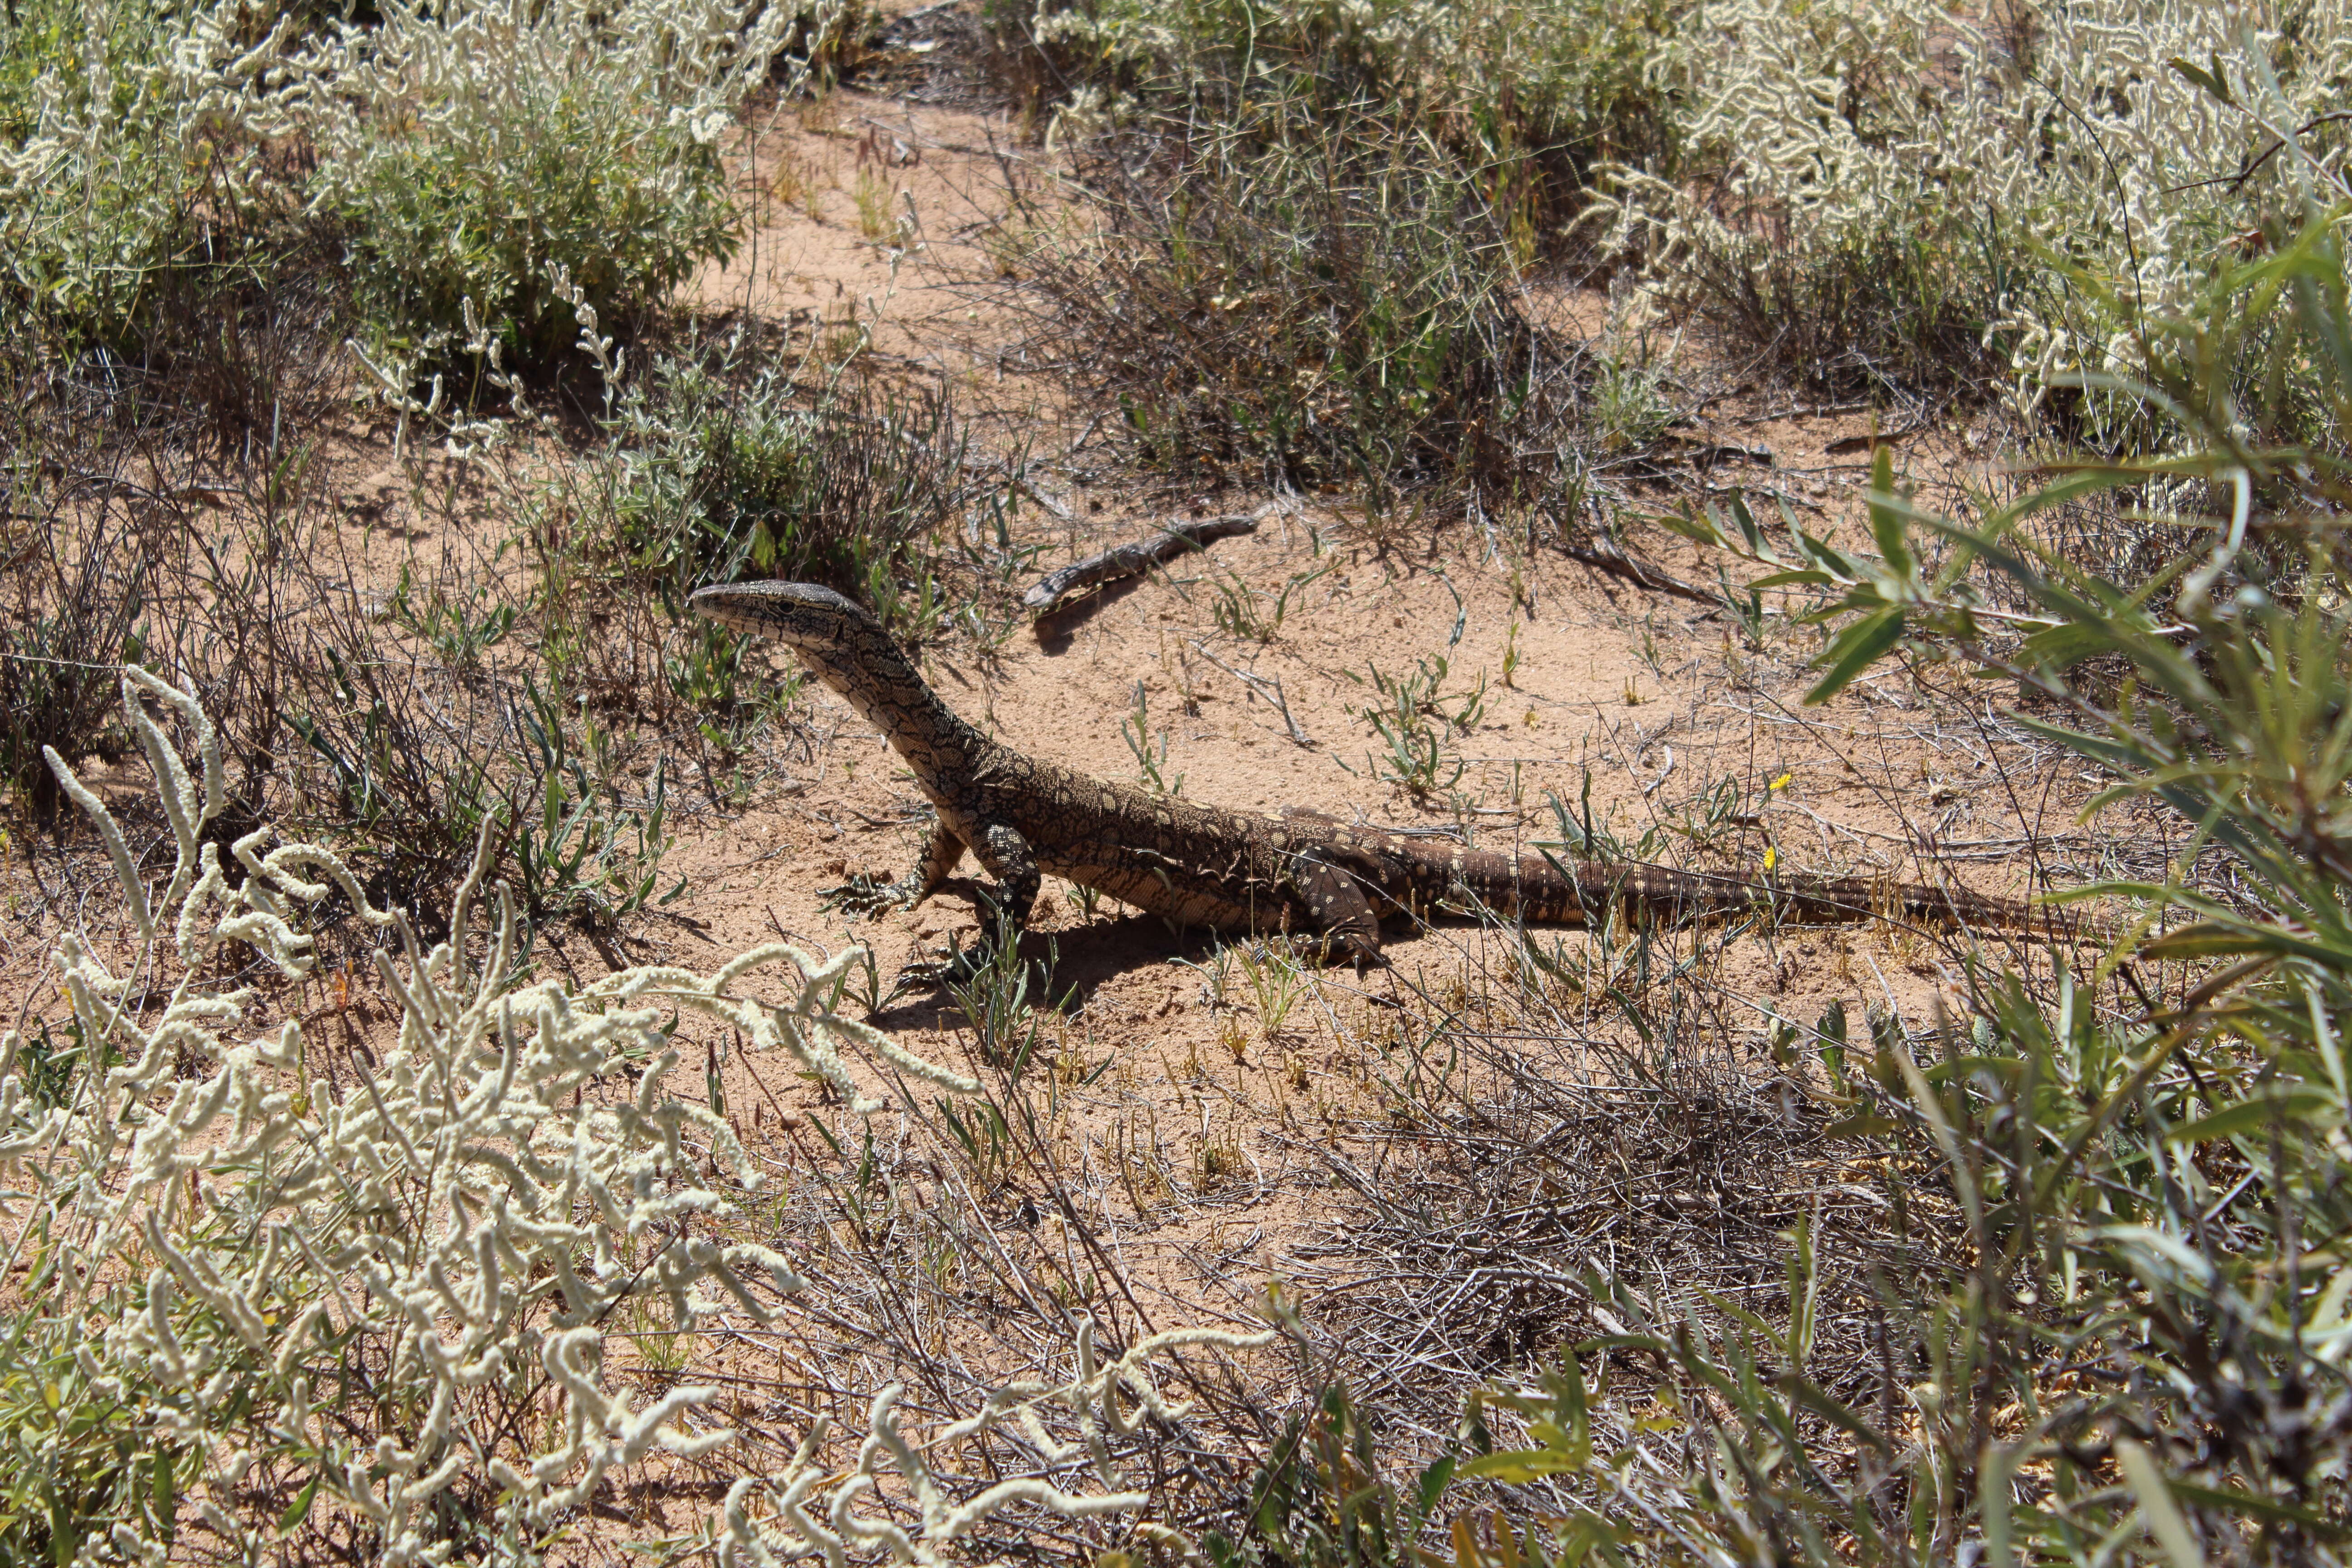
(803, 616)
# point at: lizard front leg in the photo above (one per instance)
(1006, 856)
(867, 896)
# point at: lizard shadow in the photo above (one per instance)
(1058, 627)
(1066, 967)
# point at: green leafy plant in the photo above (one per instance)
(576, 847)
(1150, 760)
(477, 148)
(710, 471)
(1324, 1497)
(1414, 722)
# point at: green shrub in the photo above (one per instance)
(712, 471)
(142, 164)
(476, 148)
(155, 160)
(1316, 219)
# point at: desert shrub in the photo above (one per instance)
(712, 462)
(1316, 222)
(1528, 98)
(160, 164)
(718, 470)
(143, 163)
(473, 149)
(1310, 295)
(1880, 189)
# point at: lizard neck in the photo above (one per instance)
(888, 692)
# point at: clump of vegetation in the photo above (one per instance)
(157, 161)
(472, 150)
(718, 471)
(1880, 191)
(1315, 224)
(1526, 99)
(1301, 298)
(138, 142)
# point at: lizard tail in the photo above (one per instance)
(1540, 891)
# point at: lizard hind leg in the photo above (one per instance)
(1340, 918)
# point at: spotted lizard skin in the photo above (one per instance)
(1303, 873)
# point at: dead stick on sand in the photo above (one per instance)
(1130, 560)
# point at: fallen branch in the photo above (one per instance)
(1133, 560)
(1607, 555)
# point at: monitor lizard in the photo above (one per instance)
(1319, 879)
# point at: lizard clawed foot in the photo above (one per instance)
(1329, 950)
(868, 896)
(956, 966)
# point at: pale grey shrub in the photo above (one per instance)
(273, 1297)
(473, 147)
(2059, 182)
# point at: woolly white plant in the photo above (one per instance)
(1870, 129)
(812, 1511)
(476, 144)
(359, 1290)
(98, 182)
(368, 1290)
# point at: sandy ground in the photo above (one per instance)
(1196, 1136)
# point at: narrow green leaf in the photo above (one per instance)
(2158, 1512)
(1433, 1484)
(1692, 527)
(2259, 1507)
(1855, 649)
(300, 1509)
(2062, 648)
(2215, 82)
(1758, 544)
(1518, 1467)
(1822, 555)
(2251, 1115)
(1862, 1126)
(2211, 940)
(1885, 513)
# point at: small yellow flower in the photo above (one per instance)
(1782, 782)
(1771, 857)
